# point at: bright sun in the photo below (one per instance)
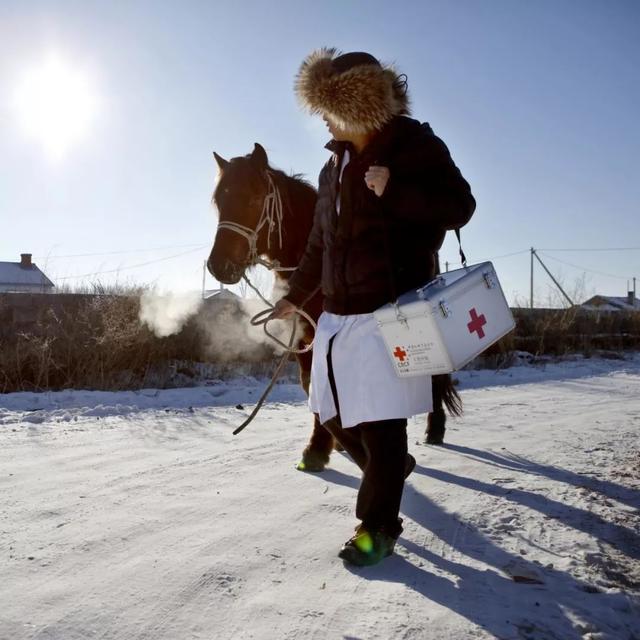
(56, 105)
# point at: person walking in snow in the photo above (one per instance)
(386, 197)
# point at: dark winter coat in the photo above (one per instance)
(379, 247)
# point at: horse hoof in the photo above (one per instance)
(312, 461)
(433, 440)
(308, 467)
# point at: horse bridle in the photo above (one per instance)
(271, 215)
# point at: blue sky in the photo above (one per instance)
(537, 101)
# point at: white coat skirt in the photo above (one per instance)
(367, 386)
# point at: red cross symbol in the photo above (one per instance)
(400, 354)
(477, 322)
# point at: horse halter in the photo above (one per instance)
(271, 215)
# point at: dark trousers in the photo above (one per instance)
(380, 450)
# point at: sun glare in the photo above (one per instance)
(55, 105)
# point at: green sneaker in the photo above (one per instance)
(367, 547)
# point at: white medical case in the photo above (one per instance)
(445, 324)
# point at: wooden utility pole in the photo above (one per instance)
(532, 252)
(544, 266)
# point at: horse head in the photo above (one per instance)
(247, 204)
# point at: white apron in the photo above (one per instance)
(367, 386)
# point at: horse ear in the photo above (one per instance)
(259, 156)
(222, 163)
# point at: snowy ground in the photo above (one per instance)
(139, 516)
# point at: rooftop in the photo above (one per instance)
(23, 273)
(613, 303)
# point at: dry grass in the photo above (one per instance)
(97, 342)
(51, 342)
(559, 332)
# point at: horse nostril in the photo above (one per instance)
(226, 272)
(219, 270)
(233, 271)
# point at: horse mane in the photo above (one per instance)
(296, 181)
(298, 199)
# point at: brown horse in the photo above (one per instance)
(265, 218)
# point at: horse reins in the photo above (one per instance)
(271, 215)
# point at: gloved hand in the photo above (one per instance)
(282, 310)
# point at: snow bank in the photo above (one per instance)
(139, 516)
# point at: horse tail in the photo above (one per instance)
(445, 391)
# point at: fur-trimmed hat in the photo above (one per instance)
(353, 89)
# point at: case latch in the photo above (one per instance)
(489, 279)
(445, 309)
(400, 317)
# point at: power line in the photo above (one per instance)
(577, 266)
(201, 246)
(133, 266)
(517, 253)
(184, 246)
(596, 249)
(506, 255)
(114, 253)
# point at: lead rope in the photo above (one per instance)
(256, 320)
(271, 215)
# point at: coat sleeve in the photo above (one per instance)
(426, 186)
(306, 278)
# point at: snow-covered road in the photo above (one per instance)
(131, 516)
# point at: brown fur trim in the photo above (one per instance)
(358, 100)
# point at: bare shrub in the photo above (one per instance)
(98, 342)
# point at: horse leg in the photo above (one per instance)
(444, 393)
(436, 421)
(315, 455)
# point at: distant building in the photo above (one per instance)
(220, 294)
(612, 303)
(23, 277)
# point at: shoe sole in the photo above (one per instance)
(361, 560)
